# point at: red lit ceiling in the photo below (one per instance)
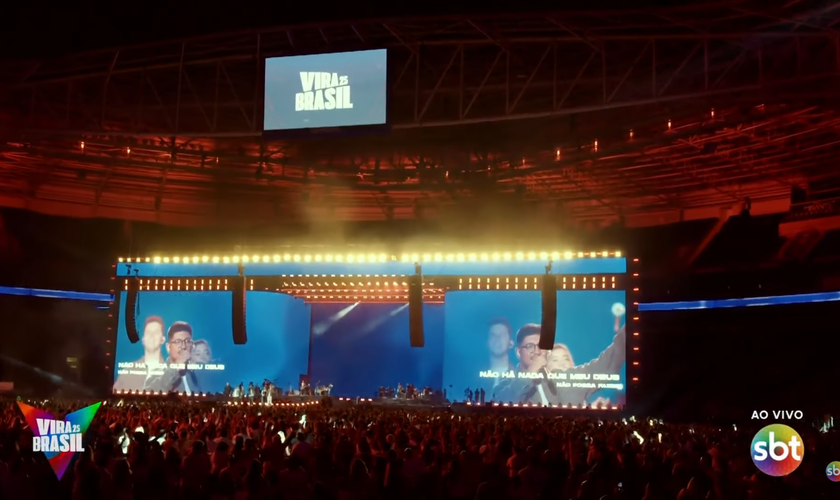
(648, 116)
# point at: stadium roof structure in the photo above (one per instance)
(647, 116)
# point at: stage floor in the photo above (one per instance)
(460, 408)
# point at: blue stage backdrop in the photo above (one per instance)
(277, 348)
(326, 90)
(482, 351)
(360, 347)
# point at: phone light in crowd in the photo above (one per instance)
(777, 450)
(639, 437)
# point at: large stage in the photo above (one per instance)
(346, 318)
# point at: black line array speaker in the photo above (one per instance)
(415, 311)
(131, 310)
(240, 332)
(548, 325)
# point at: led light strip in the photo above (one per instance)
(372, 258)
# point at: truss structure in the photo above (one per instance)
(595, 115)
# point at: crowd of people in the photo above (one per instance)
(161, 450)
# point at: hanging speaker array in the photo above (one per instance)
(130, 306)
(415, 311)
(548, 325)
(239, 289)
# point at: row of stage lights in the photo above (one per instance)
(584, 283)
(669, 127)
(248, 403)
(535, 405)
(567, 283)
(558, 153)
(362, 400)
(204, 395)
(429, 299)
(372, 258)
(156, 393)
(220, 284)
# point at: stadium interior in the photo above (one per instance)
(685, 154)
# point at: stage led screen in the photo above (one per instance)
(187, 344)
(342, 89)
(490, 344)
(361, 347)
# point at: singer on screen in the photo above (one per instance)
(560, 359)
(152, 358)
(201, 352)
(180, 346)
(531, 360)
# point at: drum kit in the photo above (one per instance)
(323, 390)
(316, 390)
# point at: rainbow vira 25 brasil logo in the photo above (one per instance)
(59, 440)
(777, 450)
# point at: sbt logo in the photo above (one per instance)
(777, 450)
(832, 472)
(323, 91)
(56, 436)
(777, 415)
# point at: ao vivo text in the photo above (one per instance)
(777, 415)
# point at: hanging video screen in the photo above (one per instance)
(491, 346)
(186, 342)
(344, 89)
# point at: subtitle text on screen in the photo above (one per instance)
(143, 368)
(582, 380)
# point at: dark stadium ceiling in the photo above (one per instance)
(644, 115)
